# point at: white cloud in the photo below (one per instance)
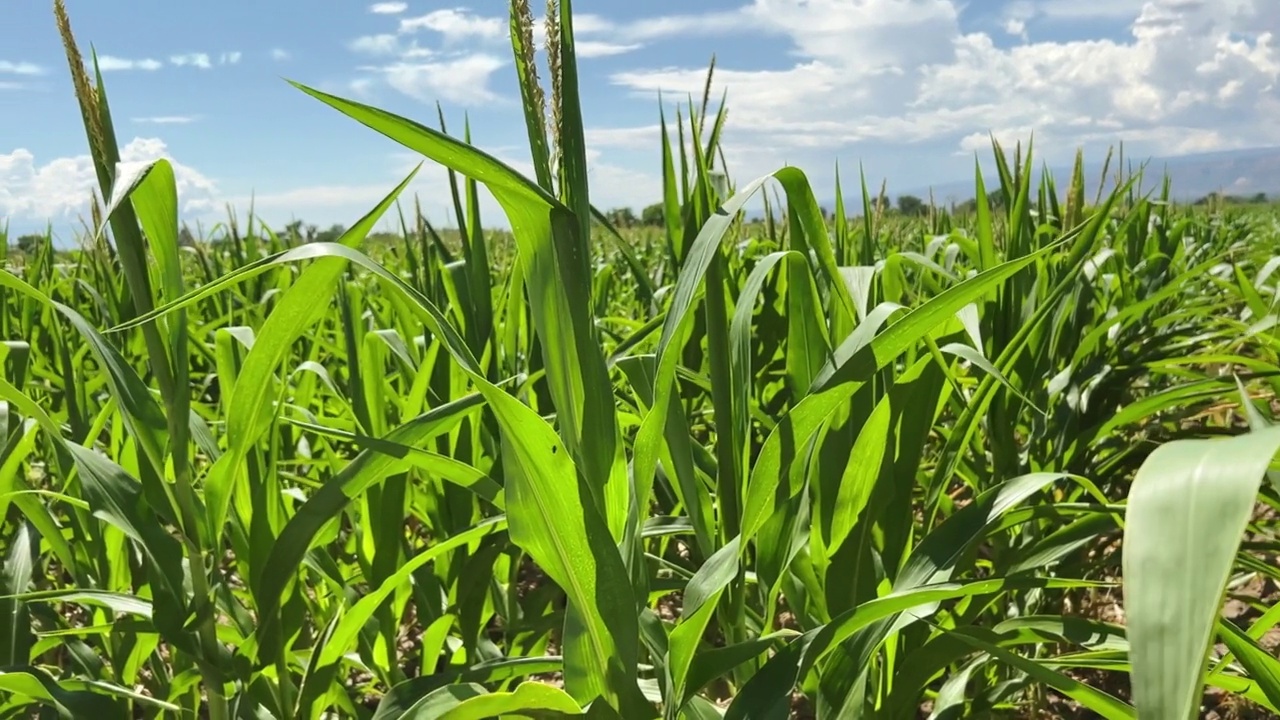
(712, 23)
(301, 199)
(7, 85)
(439, 69)
(463, 80)
(20, 68)
(586, 23)
(167, 119)
(280, 54)
(200, 60)
(388, 8)
(58, 190)
(197, 60)
(1090, 9)
(382, 44)
(628, 37)
(109, 63)
(612, 185)
(361, 86)
(456, 24)
(644, 137)
(61, 188)
(600, 48)
(1193, 75)
(1016, 14)
(444, 55)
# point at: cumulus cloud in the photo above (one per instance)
(35, 190)
(632, 137)
(113, 63)
(451, 53)
(20, 68)
(462, 80)
(612, 185)
(601, 48)
(200, 60)
(1191, 75)
(447, 54)
(61, 187)
(110, 63)
(388, 8)
(381, 44)
(361, 86)
(1090, 9)
(456, 24)
(280, 54)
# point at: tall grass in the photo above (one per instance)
(870, 468)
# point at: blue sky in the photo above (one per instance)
(911, 89)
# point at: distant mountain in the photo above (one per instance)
(1231, 172)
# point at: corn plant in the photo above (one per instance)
(1004, 463)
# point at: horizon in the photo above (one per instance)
(908, 90)
(389, 223)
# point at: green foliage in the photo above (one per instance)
(653, 215)
(912, 206)
(699, 467)
(30, 243)
(622, 218)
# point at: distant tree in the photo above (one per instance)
(30, 243)
(331, 235)
(881, 202)
(997, 198)
(653, 215)
(995, 201)
(185, 238)
(1259, 198)
(623, 217)
(1213, 198)
(297, 231)
(912, 205)
(293, 231)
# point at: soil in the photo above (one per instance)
(1241, 607)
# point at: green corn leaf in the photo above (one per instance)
(472, 702)
(700, 598)
(324, 507)
(1188, 508)
(117, 499)
(1262, 666)
(15, 618)
(30, 682)
(1103, 703)
(568, 550)
(855, 361)
(551, 246)
(355, 618)
(435, 704)
(249, 411)
(403, 696)
(818, 643)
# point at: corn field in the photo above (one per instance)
(1013, 463)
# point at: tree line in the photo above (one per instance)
(653, 216)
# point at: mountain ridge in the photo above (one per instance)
(1242, 172)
